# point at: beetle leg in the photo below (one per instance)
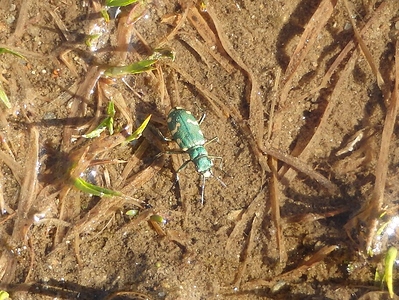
(183, 165)
(219, 158)
(214, 139)
(169, 152)
(174, 152)
(202, 118)
(160, 134)
(202, 189)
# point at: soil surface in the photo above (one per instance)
(299, 127)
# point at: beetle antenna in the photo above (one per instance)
(220, 180)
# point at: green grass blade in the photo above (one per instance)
(4, 98)
(113, 3)
(105, 15)
(4, 295)
(97, 131)
(111, 114)
(159, 219)
(6, 50)
(135, 68)
(163, 53)
(390, 258)
(132, 212)
(91, 38)
(111, 109)
(92, 189)
(139, 131)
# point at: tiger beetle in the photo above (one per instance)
(185, 131)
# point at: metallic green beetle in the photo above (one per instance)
(186, 132)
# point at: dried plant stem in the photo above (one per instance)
(15, 168)
(79, 104)
(133, 162)
(175, 30)
(254, 98)
(275, 207)
(21, 22)
(315, 259)
(365, 50)
(305, 151)
(26, 197)
(258, 204)
(369, 213)
(347, 50)
(211, 40)
(246, 255)
(316, 23)
(301, 166)
(29, 184)
(60, 24)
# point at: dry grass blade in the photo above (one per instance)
(144, 176)
(175, 30)
(275, 206)
(311, 217)
(29, 184)
(23, 17)
(213, 100)
(257, 205)
(305, 151)
(124, 35)
(133, 161)
(301, 166)
(365, 50)
(26, 197)
(247, 252)
(369, 213)
(15, 168)
(61, 26)
(79, 104)
(130, 295)
(376, 16)
(316, 23)
(253, 97)
(2, 202)
(292, 275)
(210, 38)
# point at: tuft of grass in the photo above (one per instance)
(95, 190)
(107, 123)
